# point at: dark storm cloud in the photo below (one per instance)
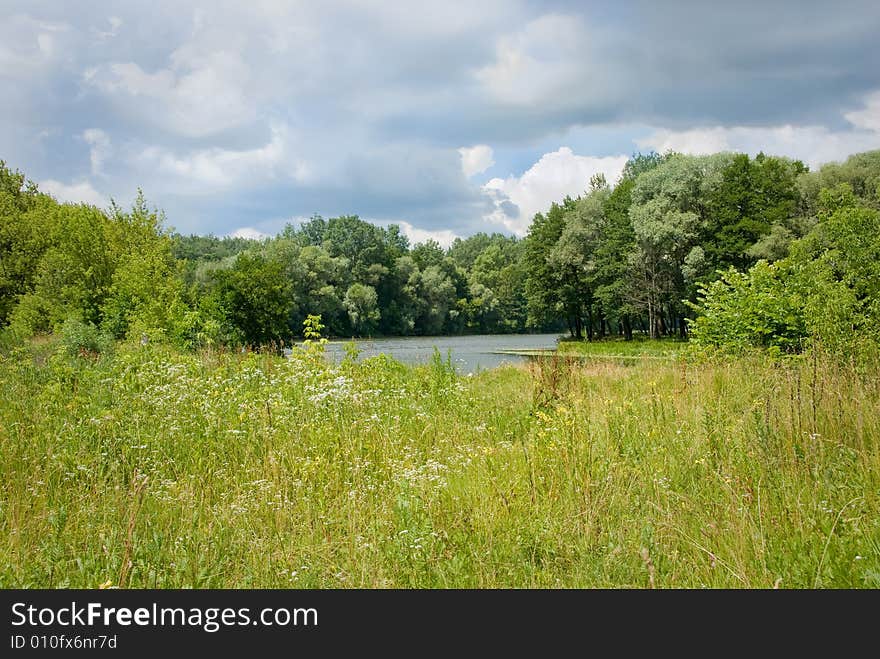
(231, 115)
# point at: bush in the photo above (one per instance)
(82, 339)
(760, 308)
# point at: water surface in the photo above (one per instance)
(469, 353)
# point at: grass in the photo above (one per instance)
(618, 348)
(153, 468)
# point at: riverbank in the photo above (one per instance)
(614, 349)
(154, 468)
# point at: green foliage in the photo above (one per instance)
(313, 328)
(24, 237)
(633, 255)
(761, 308)
(361, 302)
(111, 269)
(84, 339)
(860, 171)
(544, 304)
(74, 273)
(754, 198)
(437, 299)
(145, 292)
(254, 298)
(427, 254)
(827, 290)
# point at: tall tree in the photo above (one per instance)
(543, 283)
(668, 215)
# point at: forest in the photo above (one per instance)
(727, 249)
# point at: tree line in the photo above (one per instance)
(122, 272)
(733, 251)
(716, 246)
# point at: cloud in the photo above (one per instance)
(228, 113)
(416, 235)
(198, 95)
(100, 148)
(75, 193)
(552, 61)
(28, 46)
(554, 176)
(867, 118)
(475, 159)
(812, 144)
(248, 232)
(223, 168)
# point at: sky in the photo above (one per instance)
(447, 118)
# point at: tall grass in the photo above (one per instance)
(153, 468)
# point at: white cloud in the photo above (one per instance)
(535, 61)
(249, 232)
(556, 175)
(200, 94)
(812, 144)
(220, 168)
(476, 159)
(867, 118)
(554, 62)
(99, 148)
(416, 235)
(28, 46)
(75, 193)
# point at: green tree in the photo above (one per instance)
(543, 281)
(753, 199)
(826, 291)
(145, 291)
(668, 214)
(74, 274)
(25, 234)
(574, 259)
(254, 298)
(427, 254)
(437, 298)
(361, 302)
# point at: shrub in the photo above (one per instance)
(82, 339)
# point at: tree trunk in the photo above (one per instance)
(627, 329)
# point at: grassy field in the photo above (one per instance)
(153, 468)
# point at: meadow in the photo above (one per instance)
(151, 467)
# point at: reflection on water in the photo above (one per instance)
(469, 353)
